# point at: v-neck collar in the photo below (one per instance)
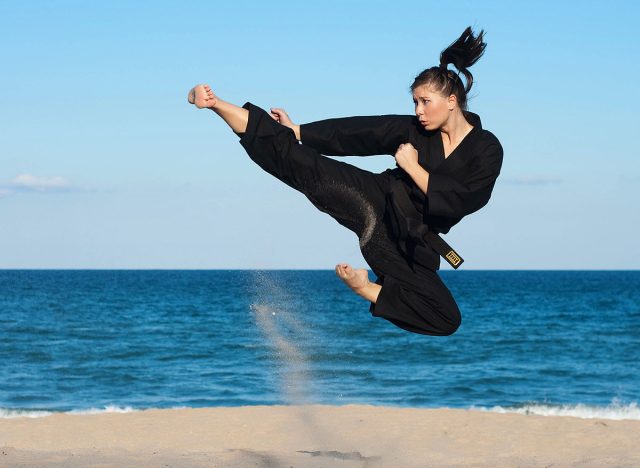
(464, 140)
(474, 120)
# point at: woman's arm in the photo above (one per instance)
(407, 160)
(352, 136)
(358, 136)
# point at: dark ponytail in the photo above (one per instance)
(462, 53)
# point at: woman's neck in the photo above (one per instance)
(455, 129)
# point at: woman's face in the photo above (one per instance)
(431, 107)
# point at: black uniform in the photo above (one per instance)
(392, 239)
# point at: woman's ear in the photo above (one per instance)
(452, 102)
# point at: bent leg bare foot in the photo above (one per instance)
(358, 281)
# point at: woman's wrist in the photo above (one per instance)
(420, 176)
(296, 130)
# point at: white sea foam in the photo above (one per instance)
(106, 409)
(6, 413)
(615, 410)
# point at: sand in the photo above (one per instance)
(317, 436)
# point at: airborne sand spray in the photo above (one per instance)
(355, 208)
(274, 307)
(272, 312)
(361, 208)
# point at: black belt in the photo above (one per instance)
(445, 250)
(407, 225)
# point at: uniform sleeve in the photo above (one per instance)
(454, 198)
(358, 136)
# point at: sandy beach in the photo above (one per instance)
(317, 436)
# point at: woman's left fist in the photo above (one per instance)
(406, 156)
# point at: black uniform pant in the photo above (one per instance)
(412, 297)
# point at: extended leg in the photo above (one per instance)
(412, 299)
(333, 187)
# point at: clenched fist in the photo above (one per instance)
(406, 156)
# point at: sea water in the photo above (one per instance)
(545, 342)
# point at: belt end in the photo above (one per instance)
(453, 259)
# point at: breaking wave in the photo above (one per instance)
(8, 413)
(615, 410)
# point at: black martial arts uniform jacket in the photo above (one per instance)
(458, 184)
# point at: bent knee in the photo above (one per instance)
(453, 320)
(420, 313)
(451, 329)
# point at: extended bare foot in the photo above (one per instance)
(236, 117)
(202, 97)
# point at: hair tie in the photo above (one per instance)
(443, 66)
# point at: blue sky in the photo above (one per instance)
(103, 164)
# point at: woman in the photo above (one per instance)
(446, 169)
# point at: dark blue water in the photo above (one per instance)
(74, 340)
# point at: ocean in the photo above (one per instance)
(541, 342)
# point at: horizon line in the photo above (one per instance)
(304, 269)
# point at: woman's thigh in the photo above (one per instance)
(352, 196)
